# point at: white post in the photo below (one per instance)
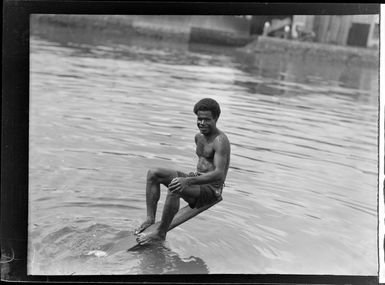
(266, 28)
(370, 33)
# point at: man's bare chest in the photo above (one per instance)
(205, 149)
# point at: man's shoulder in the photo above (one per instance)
(222, 135)
(222, 138)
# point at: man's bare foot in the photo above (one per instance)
(144, 226)
(150, 237)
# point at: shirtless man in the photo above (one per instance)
(197, 188)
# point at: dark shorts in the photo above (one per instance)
(209, 193)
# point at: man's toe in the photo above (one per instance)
(138, 231)
(139, 240)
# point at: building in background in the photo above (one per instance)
(346, 30)
(351, 30)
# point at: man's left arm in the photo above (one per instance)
(222, 151)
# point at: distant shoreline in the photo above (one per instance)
(131, 26)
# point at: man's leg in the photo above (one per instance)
(171, 205)
(155, 177)
(170, 209)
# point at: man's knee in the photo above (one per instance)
(153, 175)
(160, 175)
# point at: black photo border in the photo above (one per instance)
(15, 123)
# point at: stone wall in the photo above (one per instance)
(346, 54)
(173, 27)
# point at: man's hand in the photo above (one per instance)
(178, 184)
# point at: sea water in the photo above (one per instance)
(301, 191)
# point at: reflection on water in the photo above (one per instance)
(300, 197)
(158, 259)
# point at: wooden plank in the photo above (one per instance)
(183, 215)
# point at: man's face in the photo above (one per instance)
(206, 122)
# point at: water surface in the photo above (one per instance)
(300, 196)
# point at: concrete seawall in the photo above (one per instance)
(328, 52)
(226, 30)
